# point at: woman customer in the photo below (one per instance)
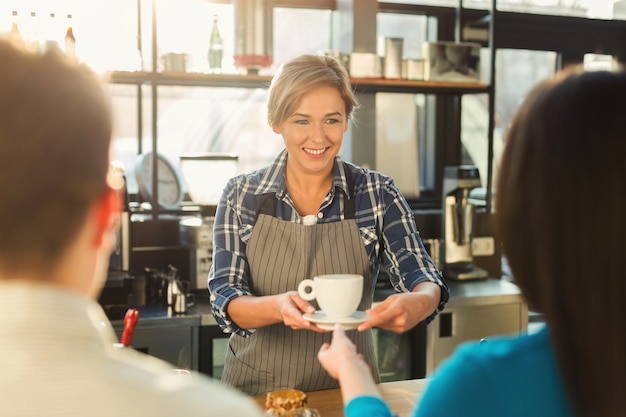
(306, 214)
(561, 215)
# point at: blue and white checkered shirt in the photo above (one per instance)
(384, 218)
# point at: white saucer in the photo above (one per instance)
(326, 323)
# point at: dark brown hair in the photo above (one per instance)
(302, 75)
(561, 215)
(55, 132)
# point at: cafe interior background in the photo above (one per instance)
(200, 111)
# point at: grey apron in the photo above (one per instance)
(281, 254)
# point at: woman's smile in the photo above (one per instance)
(316, 151)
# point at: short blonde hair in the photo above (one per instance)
(301, 75)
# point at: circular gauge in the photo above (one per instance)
(170, 191)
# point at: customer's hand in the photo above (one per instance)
(342, 361)
(339, 352)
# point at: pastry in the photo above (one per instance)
(283, 402)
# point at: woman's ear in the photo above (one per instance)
(276, 129)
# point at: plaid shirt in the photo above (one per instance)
(384, 218)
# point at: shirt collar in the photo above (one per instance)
(273, 180)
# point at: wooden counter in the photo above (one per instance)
(401, 396)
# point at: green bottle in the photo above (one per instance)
(215, 49)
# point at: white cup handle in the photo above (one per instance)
(302, 289)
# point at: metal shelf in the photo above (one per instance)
(361, 85)
(151, 79)
(189, 79)
(382, 85)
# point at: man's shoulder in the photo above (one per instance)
(156, 387)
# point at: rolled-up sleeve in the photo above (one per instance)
(229, 275)
(405, 259)
(367, 405)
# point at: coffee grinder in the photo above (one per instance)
(457, 222)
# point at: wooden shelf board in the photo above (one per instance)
(361, 85)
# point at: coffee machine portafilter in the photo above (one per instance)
(457, 223)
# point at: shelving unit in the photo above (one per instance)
(361, 85)
(448, 144)
(569, 36)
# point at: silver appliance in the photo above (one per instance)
(457, 223)
(197, 234)
(206, 175)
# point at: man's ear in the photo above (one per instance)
(107, 207)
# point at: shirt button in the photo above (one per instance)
(320, 215)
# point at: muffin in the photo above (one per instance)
(281, 403)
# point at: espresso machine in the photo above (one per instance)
(457, 222)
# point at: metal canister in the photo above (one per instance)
(182, 302)
(393, 58)
(253, 33)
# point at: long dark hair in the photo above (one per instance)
(561, 215)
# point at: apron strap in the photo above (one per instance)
(348, 203)
(266, 203)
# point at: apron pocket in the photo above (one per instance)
(245, 377)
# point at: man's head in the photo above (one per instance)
(55, 133)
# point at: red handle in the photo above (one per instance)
(130, 320)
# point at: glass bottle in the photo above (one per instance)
(215, 49)
(70, 39)
(15, 37)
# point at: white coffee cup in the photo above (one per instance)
(338, 295)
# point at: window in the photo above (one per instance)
(212, 119)
(400, 149)
(518, 71)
